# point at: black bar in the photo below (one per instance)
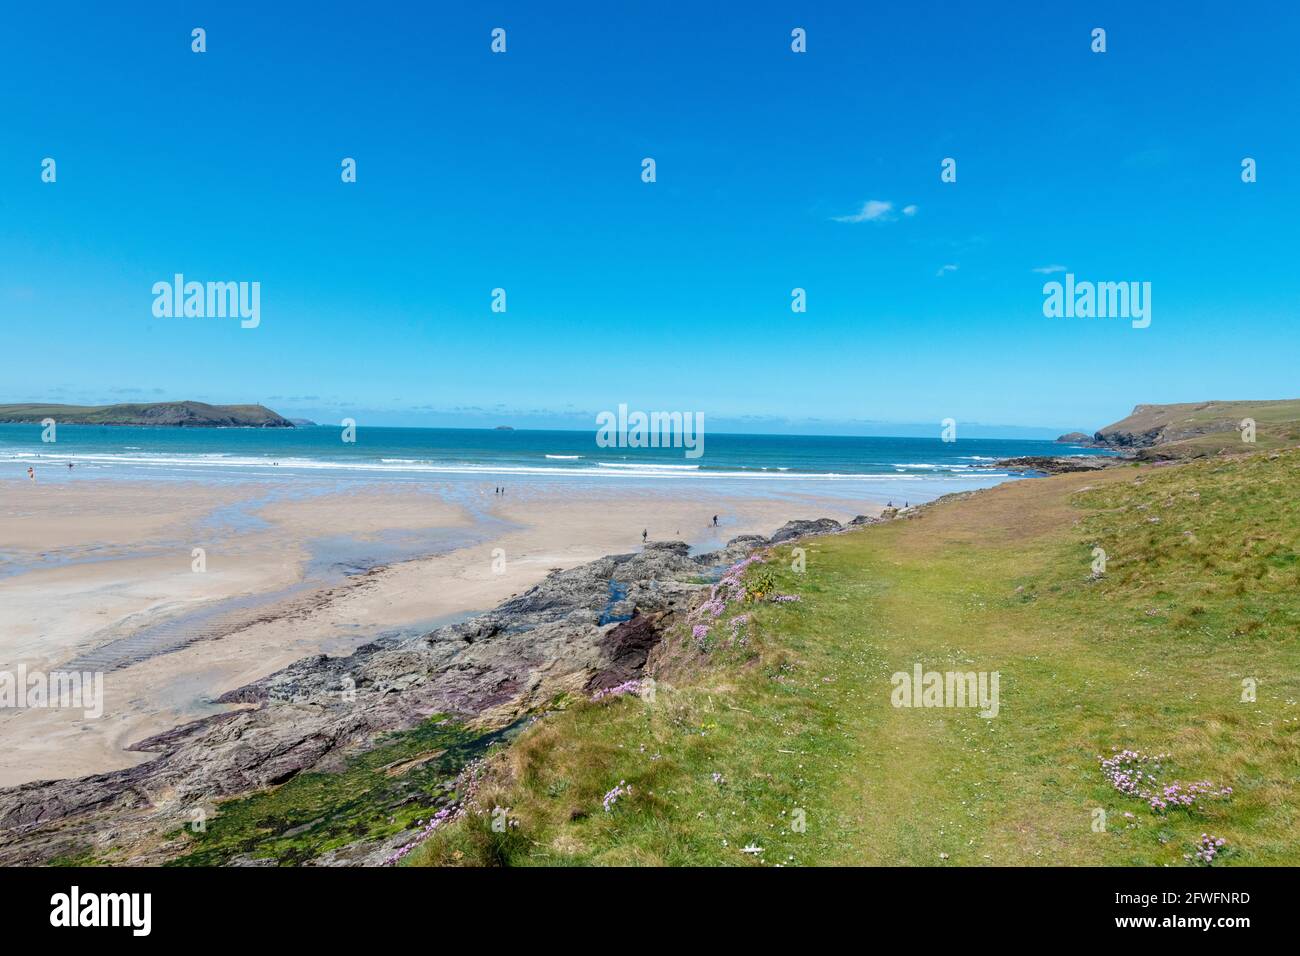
(367, 905)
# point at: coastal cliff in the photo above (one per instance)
(1193, 429)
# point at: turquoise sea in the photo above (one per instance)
(916, 469)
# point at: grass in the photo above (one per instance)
(1269, 436)
(817, 767)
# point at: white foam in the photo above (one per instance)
(207, 462)
(610, 464)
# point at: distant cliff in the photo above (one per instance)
(175, 414)
(1192, 429)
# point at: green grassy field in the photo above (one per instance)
(782, 745)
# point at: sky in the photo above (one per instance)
(775, 170)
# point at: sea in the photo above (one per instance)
(874, 468)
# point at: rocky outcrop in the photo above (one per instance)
(1074, 438)
(1058, 465)
(799, 529)
(486, 672)
(1149, 425)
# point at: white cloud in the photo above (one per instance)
(944, 270)
(1048, 270)
(909, 210)
(873, 210)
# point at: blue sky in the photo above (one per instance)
(522, 171)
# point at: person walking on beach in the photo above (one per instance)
(715, 521)
(31, 474)
(644, 534)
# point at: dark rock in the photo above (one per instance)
(798, 529)
(679, 548)
(1058, 465)
(627, 647)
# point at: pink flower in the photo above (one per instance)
(627, 687)
(611, 798)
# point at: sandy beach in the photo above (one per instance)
(105, 576)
